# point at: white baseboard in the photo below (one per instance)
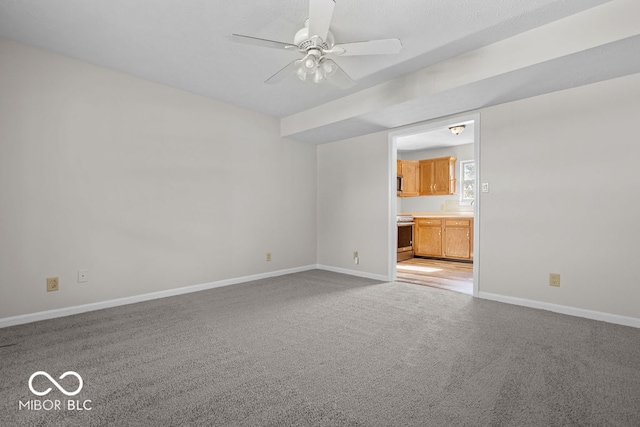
(67, 311)
(563, 309)
(354, 273)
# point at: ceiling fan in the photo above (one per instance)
(315, 42)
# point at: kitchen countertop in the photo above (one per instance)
(438, 214)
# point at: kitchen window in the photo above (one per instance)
(467, 181)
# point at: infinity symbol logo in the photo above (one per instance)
(42, 393)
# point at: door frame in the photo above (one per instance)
(393, 197)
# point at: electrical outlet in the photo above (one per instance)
(356, 258)
(554, 280)
(83, 276)
(52, 284)
(268, 256)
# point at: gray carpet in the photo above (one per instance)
(324, 349)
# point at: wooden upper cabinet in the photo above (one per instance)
(426, 172)
(410, 178)
(437, 177)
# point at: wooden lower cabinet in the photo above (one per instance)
(428, 238)
(444, 238)
(458, 239)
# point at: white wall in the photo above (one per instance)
(433, 203)
(147, 187)
(563, 172)
(353, 210)
(150, 188)
(564, 198)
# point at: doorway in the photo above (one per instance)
(428, 141)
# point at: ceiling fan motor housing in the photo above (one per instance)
(304, 41)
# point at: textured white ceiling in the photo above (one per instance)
(182, 43)
(439, 137)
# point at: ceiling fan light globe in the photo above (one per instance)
(328, 68)
(310, 64)
(301, 74)
(318, 76)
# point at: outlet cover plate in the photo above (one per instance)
(83, 276)
(52, 284)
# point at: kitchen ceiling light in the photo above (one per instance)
(457, 130)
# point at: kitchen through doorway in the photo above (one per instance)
(436, 205)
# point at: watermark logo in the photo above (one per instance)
(51, 404)
(58, 386)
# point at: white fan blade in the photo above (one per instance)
(285, 72)
(237, 38)
(338, 76)
(320, 14)
(372, 47)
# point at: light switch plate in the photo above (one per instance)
(485, 187)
